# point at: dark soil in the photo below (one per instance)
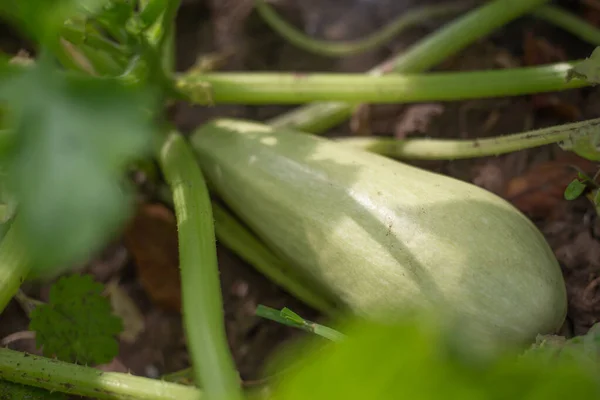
(533, 180)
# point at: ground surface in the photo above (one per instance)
(142, 265)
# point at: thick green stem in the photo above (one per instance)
(438, 46)
(14, 267)
(440, 149)
(240, 240)
(569, 22)
(201, 289)
(336, 49)
(236, 237)
(54, 375)
(271, 88)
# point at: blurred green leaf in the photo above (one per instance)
(72, 139)
(420, 359)
(77, 325)
(574, 189)
(43, 19)
(152, 11)
(115, 17)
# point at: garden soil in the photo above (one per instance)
(140, 267)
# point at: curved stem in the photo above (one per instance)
(59, 376)
(438, 46)
(440, 149)
(336, 49)
(570, 23)
(202, 300)
(240, 240)
(269, 88)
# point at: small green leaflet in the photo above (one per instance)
(77, 324)
(574, 189)
(588, 69)
(71, 140)
(292, 316)
(585, 144)
(15, 391)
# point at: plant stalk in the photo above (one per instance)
(239, 239)
(59, 376)
(201, 288)
(285, 88)
(438, 46)
(442, 149)
(14, 267)
(570, 23)
(407, 20)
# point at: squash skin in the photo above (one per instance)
(385, 237)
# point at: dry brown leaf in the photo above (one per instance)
(540, 191)
(125, 308)
(416, 119)
(151, 238)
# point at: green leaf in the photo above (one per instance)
(419, 358)
(72, 140)
(43, 19)
(115, 18)
(77, 324)
(588, 69)
(15, 391)
(152, 11)
(292, 316)
(585, 144)
(574, 189)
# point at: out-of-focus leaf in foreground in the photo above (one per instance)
(41, 20)
(420, 359)
(72, 137)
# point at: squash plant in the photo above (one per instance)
(88, 105)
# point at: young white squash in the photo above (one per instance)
(383, 237)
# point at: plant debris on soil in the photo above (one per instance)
(142, 266)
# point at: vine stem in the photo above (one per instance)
(438, 149)
(59, 376)
(286, 88)
(407, 20)
(555, 15)
(239, 239)
(212, 362)
(438, 46)
(570, 23)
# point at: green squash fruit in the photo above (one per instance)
(383, 237)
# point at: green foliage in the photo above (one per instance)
(585, 350)
(421, 359)
(589, 69)
(72, 137)
(42, 20)
(77, 325)
(15, 391)
(575, 189)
